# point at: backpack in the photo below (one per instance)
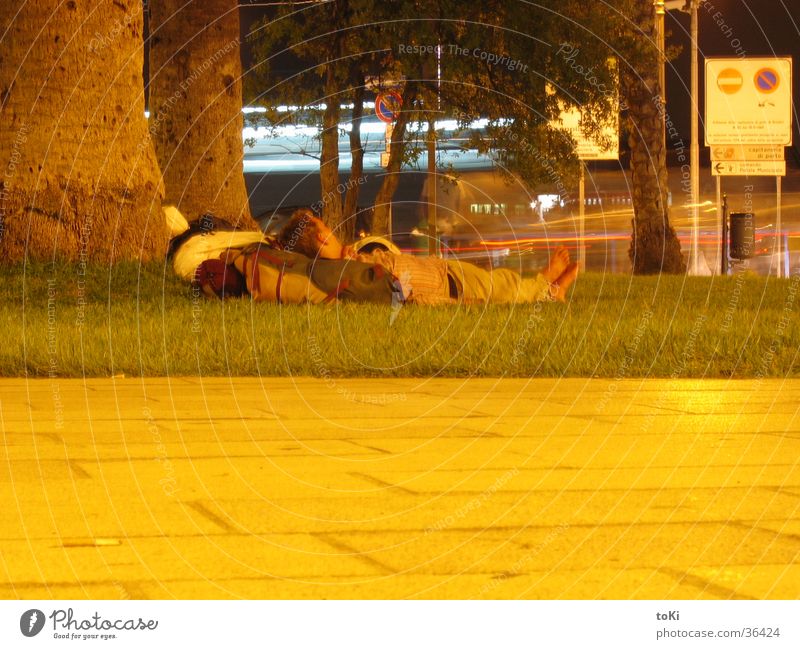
(215, 278)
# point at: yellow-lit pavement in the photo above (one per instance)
(418, 488)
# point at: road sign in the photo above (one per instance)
(753, 152)
(748, 168)
(730, 81)
(749, 101)
(606, 147)
(767, 80)
(387, 106)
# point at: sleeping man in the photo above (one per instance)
(431, 280)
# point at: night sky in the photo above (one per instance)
(752, 27)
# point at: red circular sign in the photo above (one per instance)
(730, 81)
(387, 106)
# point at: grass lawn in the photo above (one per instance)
(66, 320)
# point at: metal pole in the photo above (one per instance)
(778, 234)
(662, 61)
(724, 234)
(720, 226)
(582, 219)
(695, 145)
(432, 240)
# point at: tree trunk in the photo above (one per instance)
(356, 165)
(79, 177)
(654, 246)
(329, 157)
(383, 201)
(196, 107)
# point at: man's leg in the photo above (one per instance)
(503, 286)
(500, 286)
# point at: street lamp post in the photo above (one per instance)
(695, 148)
(662, 64)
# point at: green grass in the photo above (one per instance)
(140, 320)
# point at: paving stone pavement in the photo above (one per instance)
(414, 488)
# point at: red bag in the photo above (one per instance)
(215, 278)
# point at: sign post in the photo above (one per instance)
(748, 124)
(778, 230)
(387, 108)
(588, 149)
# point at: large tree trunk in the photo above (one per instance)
(196, 106)
(383, 201)
(79, 177)
(654, 246)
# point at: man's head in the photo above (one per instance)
(308, 235)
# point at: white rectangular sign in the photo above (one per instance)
(605, 148)
(749, 101)
(748, 168)
(752, 152)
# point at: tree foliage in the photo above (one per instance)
(511, 64)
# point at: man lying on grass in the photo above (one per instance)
(431, 280)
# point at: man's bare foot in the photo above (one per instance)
(558, 264)
(561, 285)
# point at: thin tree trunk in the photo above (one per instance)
(79, 177)
(383, 201)
(196, 107)
(654, 246)
(329, 157)
(357, 164)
